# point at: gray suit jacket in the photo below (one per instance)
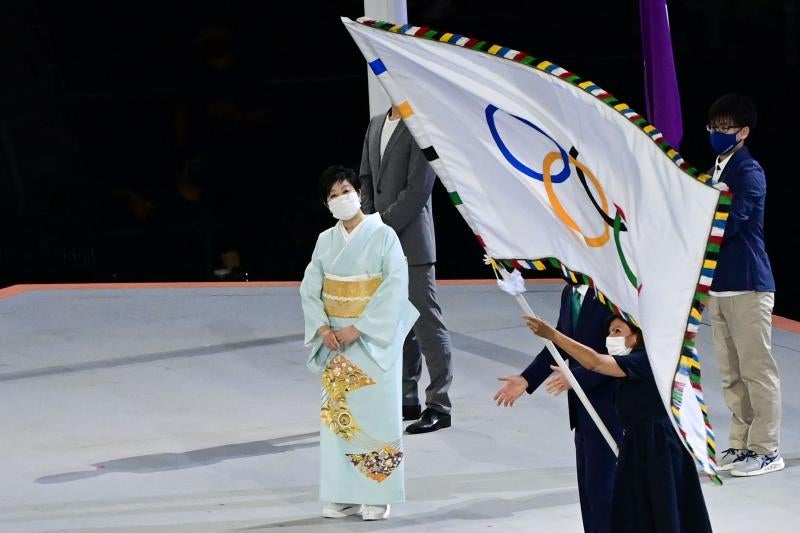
(398, 186)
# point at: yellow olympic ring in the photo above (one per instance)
(561, 213)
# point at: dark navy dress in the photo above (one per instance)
(657, 487)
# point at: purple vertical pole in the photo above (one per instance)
(662, 99)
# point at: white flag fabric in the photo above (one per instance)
(547, 167)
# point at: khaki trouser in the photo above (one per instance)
(742, 329)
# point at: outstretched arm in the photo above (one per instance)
(588, 358)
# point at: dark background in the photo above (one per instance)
(142, 140)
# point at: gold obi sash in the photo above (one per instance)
(347, 297)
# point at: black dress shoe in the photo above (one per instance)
(430, 420)
(411, 412)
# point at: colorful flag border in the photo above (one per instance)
(689, 362)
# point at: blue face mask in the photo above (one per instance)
(722, 142)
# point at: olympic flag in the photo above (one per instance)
(547, 167)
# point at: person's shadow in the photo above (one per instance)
(161, 462)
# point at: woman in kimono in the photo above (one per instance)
(357, 315)
(656, 488)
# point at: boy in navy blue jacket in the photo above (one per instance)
(742, 297)
(583, 317)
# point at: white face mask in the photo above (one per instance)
(616, 346)
(345, 206)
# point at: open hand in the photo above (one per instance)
(512, 389)
(557, 382)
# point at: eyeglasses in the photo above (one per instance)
(722, 129)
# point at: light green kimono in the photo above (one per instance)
(361, 282)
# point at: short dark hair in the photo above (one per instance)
(634, 329)
(333, 175)
(737, 107)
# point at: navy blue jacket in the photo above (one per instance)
(743, 264)
(592, 331)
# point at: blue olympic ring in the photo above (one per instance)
(516, 163)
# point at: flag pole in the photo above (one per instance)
(506, 286)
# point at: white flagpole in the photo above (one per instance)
(526, 308)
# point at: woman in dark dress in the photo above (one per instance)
(657, 488)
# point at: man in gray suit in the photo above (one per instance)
(396, 181)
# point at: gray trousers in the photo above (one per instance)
(742, 329)
(430, 338)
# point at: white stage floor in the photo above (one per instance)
(191, 410)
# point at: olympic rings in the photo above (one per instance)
(617, 223)
(516, 163)
(561, 213)
(620, 216)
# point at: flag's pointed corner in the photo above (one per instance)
(348, 22)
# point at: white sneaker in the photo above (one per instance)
(756, 464)
(375, 512)
(729, 457)
(340, 510)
